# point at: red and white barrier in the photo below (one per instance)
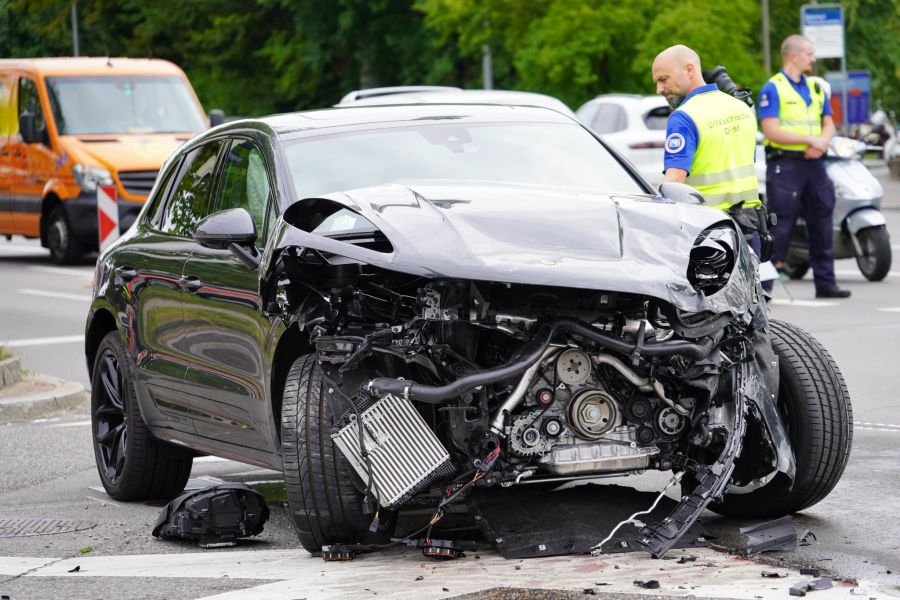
(107, 215)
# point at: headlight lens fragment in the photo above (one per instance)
(712, 260)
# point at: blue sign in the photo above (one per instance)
(825, 15)
(859, 94)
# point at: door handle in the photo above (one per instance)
(191, 284)
(125, 273)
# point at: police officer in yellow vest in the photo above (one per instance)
(710, 137)
(796, 121)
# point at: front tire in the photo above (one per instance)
(132, 464)
(795, 268)
(65, 247)
(325, 505)
(814, 403)
(875, 261)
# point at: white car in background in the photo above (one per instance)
(449, 95)
(636, 126)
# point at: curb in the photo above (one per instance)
(63, 396)
(10, 371)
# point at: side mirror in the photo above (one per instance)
(216, 117)
(680, 192)
(233, 229)
(26, 128)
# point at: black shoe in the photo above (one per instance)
(832, 292)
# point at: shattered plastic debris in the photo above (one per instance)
(686, 559)
(808, 538)
(812, 572)
(821, 584)
(800, 588)
(779, 535)
(773, 574)
(76, 569)
(590, 591)
(651, 584)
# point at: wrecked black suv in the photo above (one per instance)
(386, 301)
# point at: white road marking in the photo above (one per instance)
(890, 309)
(63, 339)
(877, 424)
(60, 295)
(103, 502)
(805, 303)
(14, 249)
(852, 272)
(713, 574)
(209, 459)
(71, 271)
(72, 424)
(877, 429)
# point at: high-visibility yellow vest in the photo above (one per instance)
(793, 113)
(723, 169)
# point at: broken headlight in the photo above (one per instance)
(712, 259)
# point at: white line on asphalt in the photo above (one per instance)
(878, 429)
(61, 295)
(852, 272)
(805, 303)
(72, 424)
(890, 309)
(63, 339)
(877, 424)
(71, 271)
(12, 249)
(103, 502)
(206, 459)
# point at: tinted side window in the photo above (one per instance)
(154, 212)
(192, 198)
(245, 183)
(610, 118)
(30, 101)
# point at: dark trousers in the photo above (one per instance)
(796, 186)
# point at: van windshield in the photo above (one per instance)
(123, 104)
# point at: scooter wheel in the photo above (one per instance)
(875, 261)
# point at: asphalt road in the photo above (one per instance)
(48, 472)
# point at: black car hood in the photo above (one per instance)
(531, 235)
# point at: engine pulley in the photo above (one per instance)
(592, 413)
(573, 366)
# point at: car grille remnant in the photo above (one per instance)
(404, 454)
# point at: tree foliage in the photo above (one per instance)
(254, 57)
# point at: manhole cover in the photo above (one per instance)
(27, 527)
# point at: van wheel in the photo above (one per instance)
(65, 247)
(133, 465)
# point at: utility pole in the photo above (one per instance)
(75, 27)
(487, 67)
(767, 51)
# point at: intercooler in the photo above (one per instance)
(405, 455)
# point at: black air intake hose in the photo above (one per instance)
(437, 394)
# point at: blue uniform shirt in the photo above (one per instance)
(682, 136)
(769, 105)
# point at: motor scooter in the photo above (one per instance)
(860, 230)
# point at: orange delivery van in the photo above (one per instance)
(68, 125)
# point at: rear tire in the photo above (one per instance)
(814, 403)
(875, 263)
(65, 247)
(133, 465)
(325, 505)
(795, 268)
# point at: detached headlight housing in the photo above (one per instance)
(712, 259)
(846, 148)
(88, 178)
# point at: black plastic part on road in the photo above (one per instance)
(533, 520)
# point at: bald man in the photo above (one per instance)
(710, 138)
(796, 122)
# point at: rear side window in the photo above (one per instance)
(658, 117)
(192, 198)
(610, 118)
(29, 101)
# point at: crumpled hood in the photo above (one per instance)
(530, 235)
(125, 152)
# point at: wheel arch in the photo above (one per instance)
(292, 344)
(101, 323)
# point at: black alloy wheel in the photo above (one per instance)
(132, 464)
(110, 418)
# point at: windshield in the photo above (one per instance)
(114, 104)
(542, 154)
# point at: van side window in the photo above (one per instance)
(29, 101)
(192, 199)
(245, 183)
